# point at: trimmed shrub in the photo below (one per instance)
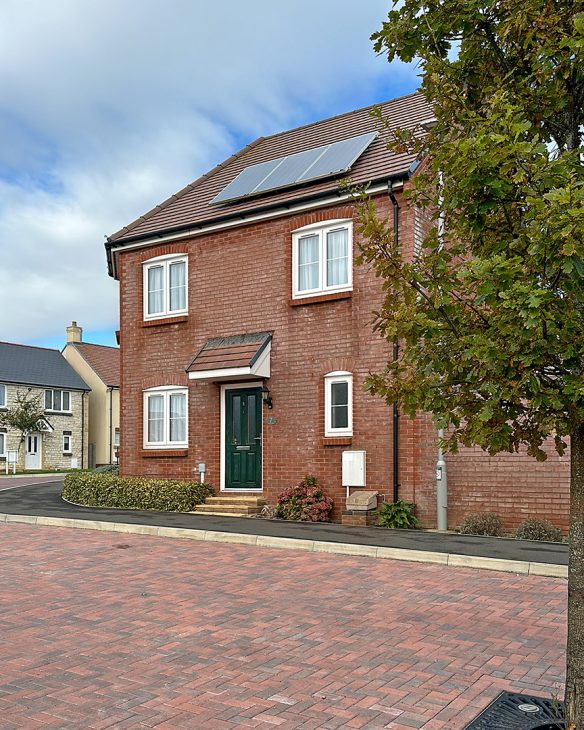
(110, 490)
(482, 523)
(306, 501)
(397, 515)
(535, 529)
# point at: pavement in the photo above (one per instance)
(125, 631)
(41, 503)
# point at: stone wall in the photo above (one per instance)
(52, 456)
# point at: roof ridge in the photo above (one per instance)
(95, 344)
(36, 347)
(165, 203)
(342, 114)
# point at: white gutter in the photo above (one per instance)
(212, 227)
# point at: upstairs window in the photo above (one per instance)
(58, 401)
(165, 287)
(165, 417)
(338, 404)
(322, 259)
(2, 396)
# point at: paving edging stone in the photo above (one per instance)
(549, 570)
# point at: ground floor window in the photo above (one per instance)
(338, 403)
(67, 448)
(165, 417)
(2, 443)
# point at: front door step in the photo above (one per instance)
(237, 506)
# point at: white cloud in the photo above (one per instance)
(108, 107)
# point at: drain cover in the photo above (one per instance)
(511, 711)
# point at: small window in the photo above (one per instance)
(58, 401)
(67, 447)
(116, 438)
(2, 396)
(165, 417)
(338, 404)
(322, 259)
(165, 287)
(2, 443)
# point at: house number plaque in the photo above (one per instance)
(271, 420)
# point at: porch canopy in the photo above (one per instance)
(237, 357)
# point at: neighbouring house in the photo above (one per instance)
(60, 441)
(99, 366)
(246, 333)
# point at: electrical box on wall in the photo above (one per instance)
(354, 468)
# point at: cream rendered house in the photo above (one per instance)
(99, 366)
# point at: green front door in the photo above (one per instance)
(243, 438)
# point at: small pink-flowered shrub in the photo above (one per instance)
(307, 501)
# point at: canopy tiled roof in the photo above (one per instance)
(104, 360)
(238, 351)
(192, 206)
(28, 365)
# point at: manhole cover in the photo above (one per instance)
(511, 711)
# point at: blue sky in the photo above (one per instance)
(109, 107)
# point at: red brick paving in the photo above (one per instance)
(105, 630)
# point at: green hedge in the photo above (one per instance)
(111, 490)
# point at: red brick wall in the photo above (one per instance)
(240, 281)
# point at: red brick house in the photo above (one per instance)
(246, 337)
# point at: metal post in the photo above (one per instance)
(441, 488)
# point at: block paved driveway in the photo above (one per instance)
(105, 630)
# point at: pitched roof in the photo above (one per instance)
(192, 205)
(238, 351)
(104, 360)
(28, 365)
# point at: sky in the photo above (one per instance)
(110, 106)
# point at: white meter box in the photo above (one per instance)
(354, 468)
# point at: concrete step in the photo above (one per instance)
(251, 501)
(239, 509)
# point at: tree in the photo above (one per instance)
(490, 315)
(24, 415)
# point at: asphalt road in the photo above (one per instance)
(44, 500)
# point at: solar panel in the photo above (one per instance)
(247, 180)
(319, 162)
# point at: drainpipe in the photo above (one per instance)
(441, 475)
(395, 440)
(82, 427)
(111, 443)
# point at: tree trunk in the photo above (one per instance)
(575, 648)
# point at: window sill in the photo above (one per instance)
(59, 413)
(165, 320)
(158, 453)
(336, 440)
(317, 298)
(67, 453)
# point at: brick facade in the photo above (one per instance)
(240, 281)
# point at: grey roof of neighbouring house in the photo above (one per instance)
(28, 365)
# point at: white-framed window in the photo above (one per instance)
(322, 258)
(3, 442)
(2, 396)
(338, 404)
(165, 417)
(165, 286)
(58, 401)
(67, 442)
(116, 438)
